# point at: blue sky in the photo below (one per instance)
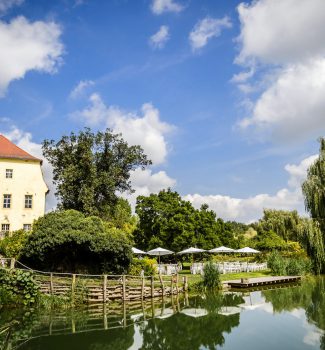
(224, 96)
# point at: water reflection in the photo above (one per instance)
(228, 320)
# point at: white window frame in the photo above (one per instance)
(28, 201)
(25, 227)
(6, 204)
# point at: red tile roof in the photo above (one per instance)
(8, 150)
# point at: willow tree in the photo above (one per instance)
(314, 192)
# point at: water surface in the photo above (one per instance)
(283, 318)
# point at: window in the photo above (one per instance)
(9, 173)
(5, 228)
(7, 201)
(28, 201)
(27, 227)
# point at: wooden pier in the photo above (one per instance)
(262, 281)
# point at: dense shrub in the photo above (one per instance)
(288, 266)
(211, 276)
(68, 241)
(11, 246)
(146, 265)
(18, 286)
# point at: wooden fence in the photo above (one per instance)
(102, 288)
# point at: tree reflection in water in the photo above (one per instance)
(181, 331)
(196, 322)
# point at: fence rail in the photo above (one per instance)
(102, 288)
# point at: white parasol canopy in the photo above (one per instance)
(229, 310)
(191, 250)
(222, 249)
(247, 250)
(159, 252)
(137, 251)
(194, 312)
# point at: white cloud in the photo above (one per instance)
(159, 39)
(26, 46)
(206, 29)
(24, 140)
(160, 6)
(147, 130)
(285, 39)
(250, 209)
(283, 31)
(6, 5)
(80, 88)
(292, 107)
(145, 182)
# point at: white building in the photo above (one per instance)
(22, 188)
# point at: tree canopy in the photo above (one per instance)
(166, 219)
(68, 241)
(90, 169)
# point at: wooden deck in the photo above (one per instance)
(262, 281)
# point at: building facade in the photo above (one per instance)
(22, 188)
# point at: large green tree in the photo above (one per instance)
(166, 219)
(70, 242)
(90, 169)
(313, 190)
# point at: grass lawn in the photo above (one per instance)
(227, 276)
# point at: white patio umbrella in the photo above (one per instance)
(191, 250)
(222, 249)
(229, 310)
(247, 250)
(137, 251)
(194, 312)
(159, 252)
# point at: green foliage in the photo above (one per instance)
(283, 223)
(69, 241)
(18, 286)
(145, 264)
(277, 264)
(270, 241)
(165, 219)
(314, 194)
(288, 266)
(11, 246)
(211, 276)
(89, 169)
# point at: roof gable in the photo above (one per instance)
(9, 150)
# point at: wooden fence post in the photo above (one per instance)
(124, 287)
(73, 286)
(162, 284)
(12, 263)
(185, 283)
(172, 286)
(177, 283)
(51, 283)
(152, 287)
(142, 287)
(105, 289)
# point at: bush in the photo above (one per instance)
(18, 286)
(211, 276)
(145, 264)
(11, 246)
(68, 241)
(288, 266)
(277, 263)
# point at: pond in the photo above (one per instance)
(291, 317)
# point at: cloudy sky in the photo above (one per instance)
(226, 97)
